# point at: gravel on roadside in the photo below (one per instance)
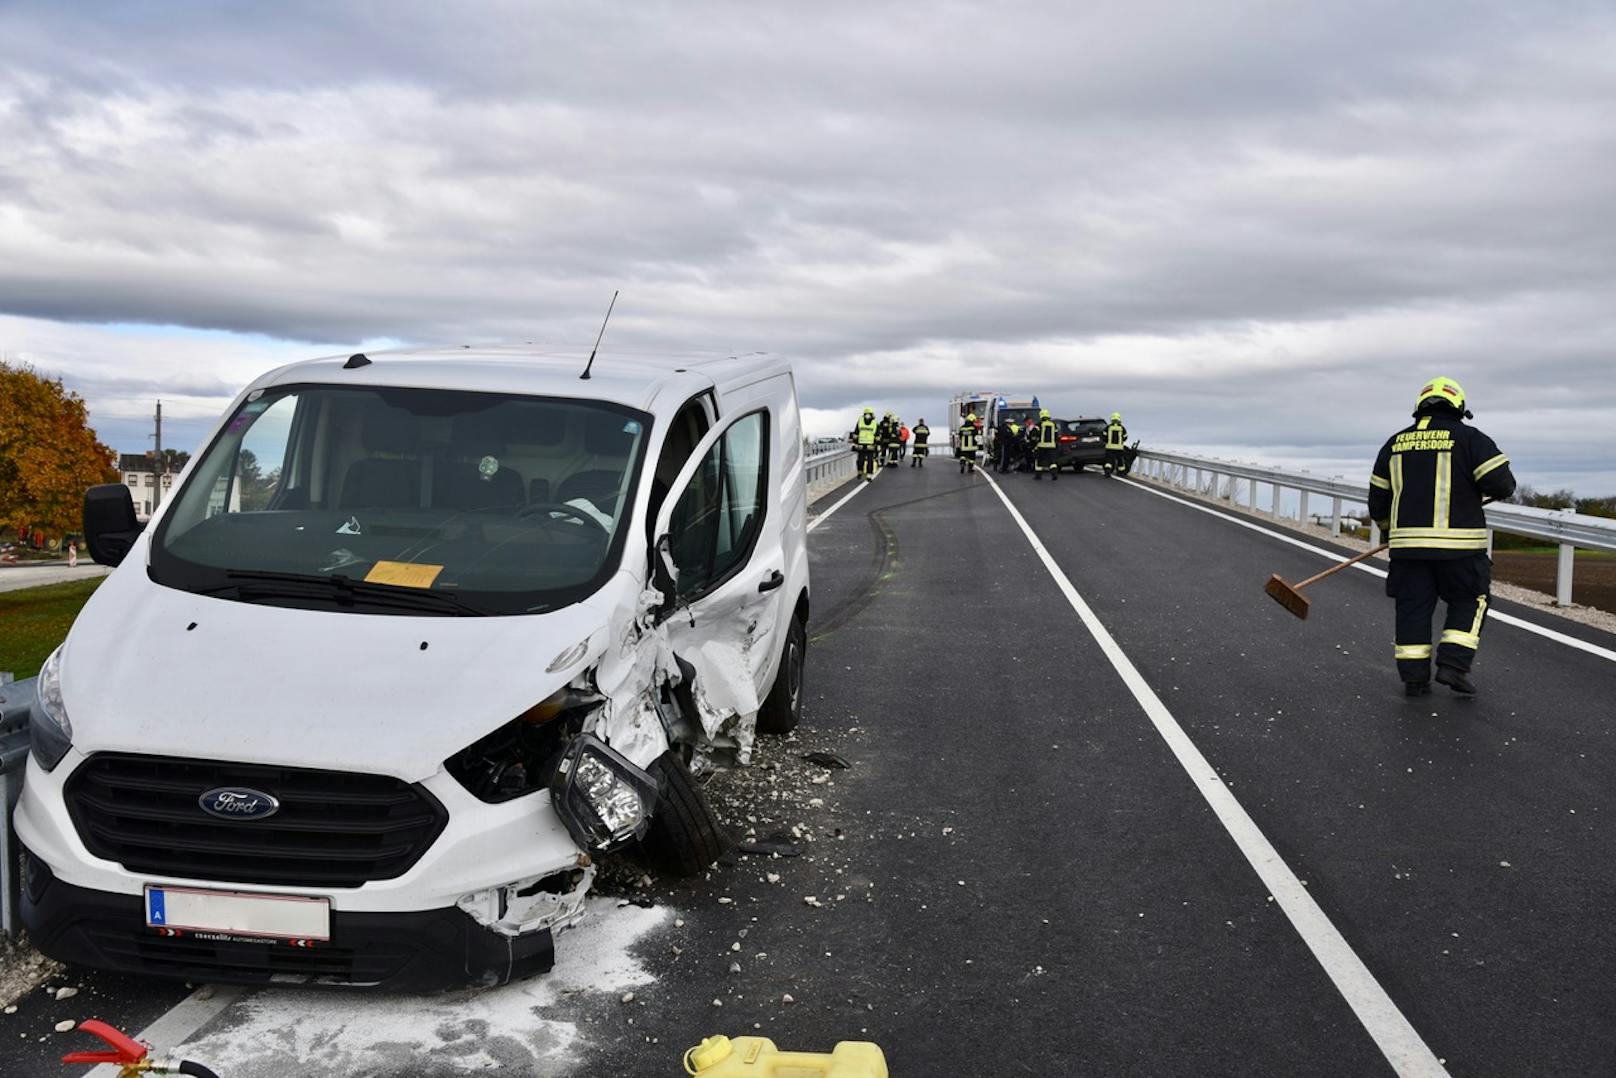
(22, 969)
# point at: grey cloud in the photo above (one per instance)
(895, 194)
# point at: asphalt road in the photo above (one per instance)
(1016, 875)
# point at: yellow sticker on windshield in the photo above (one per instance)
(403, 574)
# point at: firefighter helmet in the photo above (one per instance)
(970, 417)
(1043, 413)
(1116, 415)
(1442, 389)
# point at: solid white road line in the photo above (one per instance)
(859, 484)
(1492, 614)
(1401, 1044)
(189, 1015)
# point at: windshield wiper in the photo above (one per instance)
(338, 588)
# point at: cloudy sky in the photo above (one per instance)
(1252, 228)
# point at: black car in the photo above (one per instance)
(1079, 442)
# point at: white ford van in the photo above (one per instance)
(416, 636)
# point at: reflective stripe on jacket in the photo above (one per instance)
(1116, 435)
(866, 432)
(1046, 434)
(1428, 484)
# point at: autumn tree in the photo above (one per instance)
(49, 455)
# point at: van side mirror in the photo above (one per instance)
(110, 527)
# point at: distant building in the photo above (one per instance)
(140, 473)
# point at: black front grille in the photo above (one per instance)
(334, 828)
(198, 959)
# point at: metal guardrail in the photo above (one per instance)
(16, 700)
(1561, 527)
(825, 467)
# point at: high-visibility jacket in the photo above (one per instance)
(967, 437)
(1046, 434)
(1116, 435)
(922, 432)
(903, 434)
(1428, 484)
(865, 431)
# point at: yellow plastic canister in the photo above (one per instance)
(757, 1057)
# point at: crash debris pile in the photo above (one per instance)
(782, 811)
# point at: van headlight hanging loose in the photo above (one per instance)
(51, 733)
(604, 800)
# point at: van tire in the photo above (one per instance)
(685, 836)
(782, 709)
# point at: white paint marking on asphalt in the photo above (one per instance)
(1492, 614)
(189, 1015)
(860, 484)
(1401, 1044)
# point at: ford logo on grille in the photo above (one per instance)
(239, 803)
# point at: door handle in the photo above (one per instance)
(776, 578)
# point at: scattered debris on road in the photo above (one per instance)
(23, 969)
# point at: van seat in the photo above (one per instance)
(460, 486)
(598, 486)
(378, 482)
(381, 483)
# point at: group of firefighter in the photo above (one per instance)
(886, 441)
(1030, 446)
(1426, 491)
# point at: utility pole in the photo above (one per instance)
(157, 464)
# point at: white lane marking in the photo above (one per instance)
(188, 1015)
(1492, 614)
(1401, 1044)
(860, 484)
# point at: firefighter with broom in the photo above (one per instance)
(1426, 492)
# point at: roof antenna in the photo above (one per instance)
(599, 335)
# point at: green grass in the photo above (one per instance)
(34, 620)
(1535, 549)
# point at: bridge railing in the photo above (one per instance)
(16, 701)
(1224, 478)
(827, 466)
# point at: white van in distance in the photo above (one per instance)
(417, 636)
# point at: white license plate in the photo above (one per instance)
(1091, 439)
(189, 911)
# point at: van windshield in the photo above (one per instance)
(391, 500)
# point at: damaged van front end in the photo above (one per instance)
(371, 716)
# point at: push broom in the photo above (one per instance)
(1290, 595)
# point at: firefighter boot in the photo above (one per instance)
(1456, 679)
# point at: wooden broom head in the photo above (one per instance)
(1287, 596)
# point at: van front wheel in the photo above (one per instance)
(782, 710)
(685, 836)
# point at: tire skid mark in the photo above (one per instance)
(884, 562)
